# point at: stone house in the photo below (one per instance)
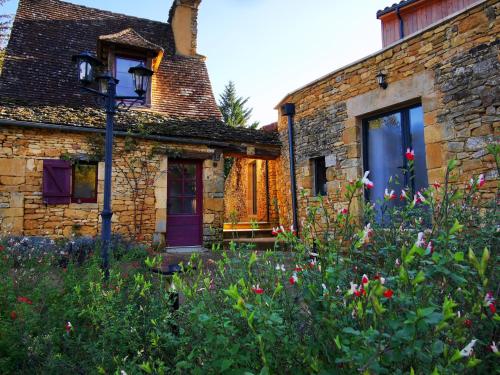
(168, 182)
(438, 94)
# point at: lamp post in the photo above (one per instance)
(87, 66)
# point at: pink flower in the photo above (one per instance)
(379, 278)
(410, 154)
(492, 307)
(420, 240)
(436, 185)
(389, 196)
(367, 233)
(480, 180)
(493, 347)
(24, 300)
(298, 268)
(418, 198)
(275, 231)
(364, 279)
(293, 279)
(397, 263)
(69, 327)
(430, 248)
(403, 195)
(257, 289)
(388, 293)
(468, 323)
(368, 184)
(344, 211)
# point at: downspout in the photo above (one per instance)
(401, 23)
(288, 110)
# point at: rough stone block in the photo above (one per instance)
(161, 198)
(12, 167)
(17, 200)
(434, 155)
(208, 218)
(330, 160)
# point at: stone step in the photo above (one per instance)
(247, 225)
(258, 243)
(247, 233)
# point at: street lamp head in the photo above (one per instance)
(103, 81)
(142, 77)
(86, 64)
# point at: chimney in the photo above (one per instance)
(184, 20)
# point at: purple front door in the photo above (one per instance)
(184, 203)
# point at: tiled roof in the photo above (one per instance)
(130, 37)
(395, 6)
(154, 123)
(46, 33)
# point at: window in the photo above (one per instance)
(64, 183)
(386, 138)
(84, 183)
(125, 85)
(319, 176)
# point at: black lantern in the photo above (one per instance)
(86, 64)
(381, 80)
(103, 80)
(142, 76)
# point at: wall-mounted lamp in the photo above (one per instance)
(382, 80)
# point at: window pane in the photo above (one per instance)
(190, 188)
(85, 181)
(175, 171)
(174, 187)
(126, 85)
(189, 206)
(319, 176)
(189, 171)
(175, 206)
(418, 144)
(385, 155)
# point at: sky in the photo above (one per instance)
(269, 48)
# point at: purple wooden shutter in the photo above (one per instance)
(57, 181)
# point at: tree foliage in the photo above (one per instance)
(233, 108)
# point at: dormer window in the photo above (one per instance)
(125, 85)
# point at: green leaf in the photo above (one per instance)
(232, 292)
(351, 331)
(484, 261)
(146, 367)
(473, 260)
(419, 278)
(252, 260)
(337, 342)
(459, 256)
(437, 348)
(452, 164)
(377, 306)
(456, 227)
(403, 275)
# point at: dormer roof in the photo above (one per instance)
(130, 38)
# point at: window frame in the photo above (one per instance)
(316, 190)
(96, 184)
(406, 141)
(131, 55)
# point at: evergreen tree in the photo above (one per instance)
(5, 25)
(233, 108)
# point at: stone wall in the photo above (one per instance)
(22, 210)
(452, 69)
(237, 192)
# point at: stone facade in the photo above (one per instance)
(23, 211)
(238, 198)
(451, 68)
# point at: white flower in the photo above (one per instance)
(467, 351)
(354, 288)
(420, 240)
(366, 181)
(280, 267)
(122, 372)
(493, 347)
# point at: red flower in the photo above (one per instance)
(298, 269)
(69, 327)
(344, 211)
(2, 248)
(293, 279)
(257, 289)
(493, 308)
(388, 293)
(357, 293)
(13, 315)
(410, 154)
(436, 185)
(468, 323)
(24, 300)
(364, 279)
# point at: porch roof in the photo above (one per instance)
(139, 122)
